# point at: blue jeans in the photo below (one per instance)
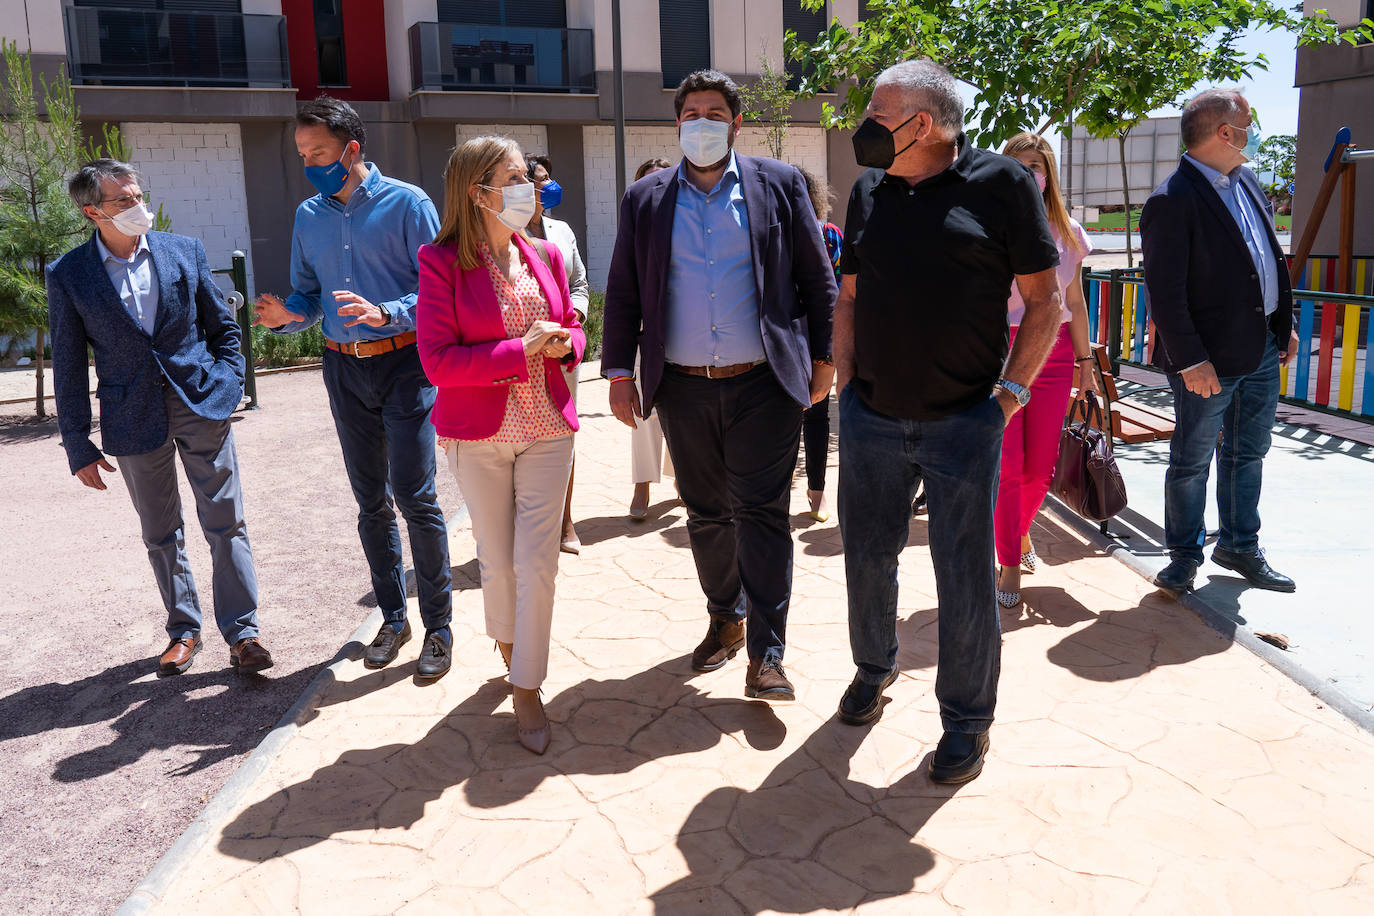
(1244, 415)
(882, 459)
(381, 406)
(212, 468)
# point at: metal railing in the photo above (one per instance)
(448, 56)
(1331, 372)
(239, 301)
(109, 46)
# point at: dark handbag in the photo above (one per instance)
(1086, 478)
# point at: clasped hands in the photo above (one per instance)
(547, 338)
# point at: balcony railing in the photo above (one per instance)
(125, 47)
(500, 58)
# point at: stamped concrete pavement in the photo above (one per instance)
(1141, 763)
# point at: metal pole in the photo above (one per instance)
(619, 79)
(1114, 309)
(239, 275)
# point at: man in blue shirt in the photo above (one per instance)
(720, 281)
(1223, 312)
(354, 269)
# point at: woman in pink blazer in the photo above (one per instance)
(496, 332)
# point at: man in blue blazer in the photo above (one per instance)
(720, 283)
(1223, 309)
(169, 375)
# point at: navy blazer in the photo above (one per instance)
(194, 348)
(1205, 295)
(792, 274)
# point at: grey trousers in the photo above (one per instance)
(207, 454)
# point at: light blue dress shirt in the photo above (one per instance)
(135, 280)
(369, 246)
(713, 309)
(1250, 220)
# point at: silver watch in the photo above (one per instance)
(1020, 392)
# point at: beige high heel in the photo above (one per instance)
(535, 740)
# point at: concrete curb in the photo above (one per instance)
(1223, 624)
(156, 883)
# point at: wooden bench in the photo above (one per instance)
(1130, 422)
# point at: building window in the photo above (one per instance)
(684, 35)
(329, 43)
(865, 13)
(539, 14)
(807, 24)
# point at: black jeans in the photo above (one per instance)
(816, 442)
(734, 445)
(381, 406)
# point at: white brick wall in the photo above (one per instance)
(533, 138)
(804, 146)
(195, 173)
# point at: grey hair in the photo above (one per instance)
(1207, 111)
(84, 185)
(929, 88)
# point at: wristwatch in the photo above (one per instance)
(826, 360)
(1020, 392)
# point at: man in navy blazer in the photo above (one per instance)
(169, 375)
(720, 283)
(1223, 309)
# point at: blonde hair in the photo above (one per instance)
(1054, 203)
(472, 163)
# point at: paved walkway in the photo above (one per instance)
(1140, 763)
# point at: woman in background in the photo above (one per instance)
(1030, 444)
(497, 333)
(816, 418)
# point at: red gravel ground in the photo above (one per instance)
(103, 765)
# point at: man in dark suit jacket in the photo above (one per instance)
(720, 282)
(1223, 308)
(170, 374)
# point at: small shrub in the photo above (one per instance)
(596, 308)
(272, 350)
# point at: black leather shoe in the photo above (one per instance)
(1254, 568)
(384, 648)
(863, 703)
(1177, 576)
(958, 757)
(436, 657)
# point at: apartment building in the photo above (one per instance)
(205, 92)
(1336, 89)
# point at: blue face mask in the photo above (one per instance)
(1252, 142)
(551, 194)
(328, 179)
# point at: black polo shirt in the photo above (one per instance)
(935, 264)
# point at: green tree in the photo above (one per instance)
(768, 101)
(1278, 156)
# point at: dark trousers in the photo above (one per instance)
(816, 442)
(734, 445)
(381, 406)
(882, 460)
(1244, 415)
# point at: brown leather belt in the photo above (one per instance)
(716, 372)
(365, 348)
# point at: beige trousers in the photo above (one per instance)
(515, 496)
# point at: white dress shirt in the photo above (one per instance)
(135, 280)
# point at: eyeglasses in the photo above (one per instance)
(125, 202)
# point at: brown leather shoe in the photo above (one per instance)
(766, 681)
(249, 655)
(722, 641)
(178, 655)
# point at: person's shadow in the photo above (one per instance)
(809, 838)
(150, 714)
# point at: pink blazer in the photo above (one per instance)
(463, 343)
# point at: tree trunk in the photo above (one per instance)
(1126, 193)
(39, 406)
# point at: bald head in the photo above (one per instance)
(1207, 111)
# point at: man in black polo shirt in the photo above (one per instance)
(935, 235)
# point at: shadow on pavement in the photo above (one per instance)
(30, 428)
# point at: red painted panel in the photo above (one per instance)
(364, 50)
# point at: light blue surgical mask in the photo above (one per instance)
(1252, 141)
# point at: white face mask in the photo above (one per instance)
(135, 221)
(704, 142)
(517, 205)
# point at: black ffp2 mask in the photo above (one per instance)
(873, 144)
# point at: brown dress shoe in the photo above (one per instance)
(178, 655)
(722, 641)
(249, 655)
(766, 681)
